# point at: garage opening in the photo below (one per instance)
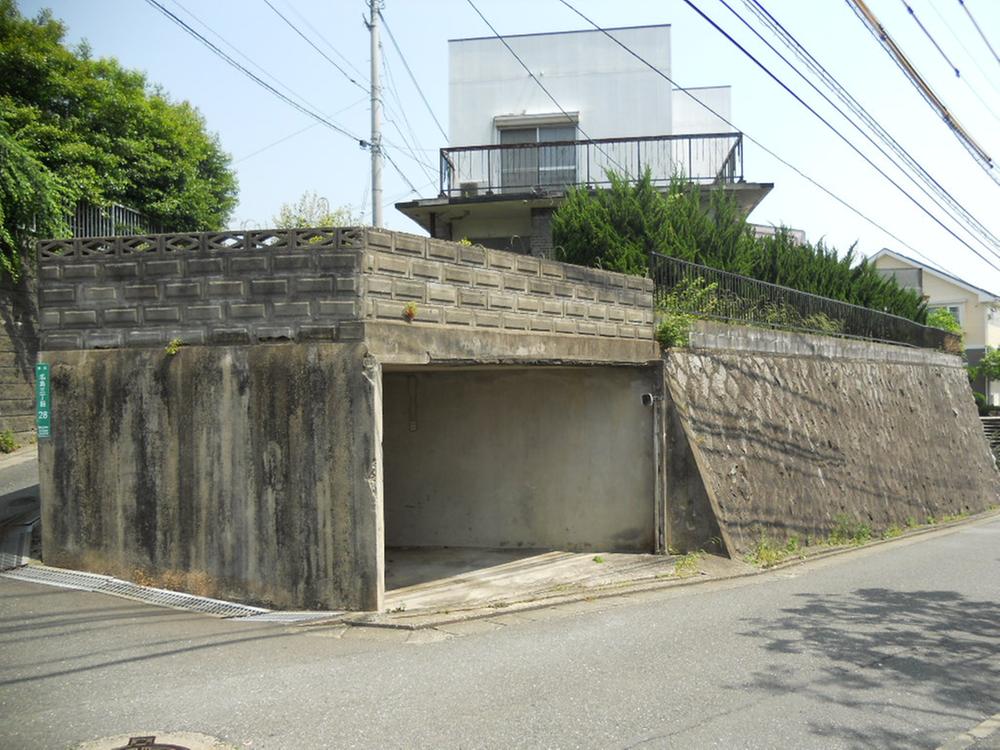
(496, 469)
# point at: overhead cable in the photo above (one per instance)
(312, 44)
(878, 31)
(940, 194)
(542, 85)
(413, 77)
(981, 34)
(856, 211)
(835, 131)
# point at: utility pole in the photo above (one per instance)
(376, 94)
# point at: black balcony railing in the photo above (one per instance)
(551, 167)
(706, 292)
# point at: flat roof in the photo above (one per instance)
(555, 33)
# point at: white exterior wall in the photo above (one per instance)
(690, 116)
(615, 94)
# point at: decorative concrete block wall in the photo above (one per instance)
(206, 288)
(476, 287)
(315, 285)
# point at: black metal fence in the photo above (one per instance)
(706, 292)
(471, 171)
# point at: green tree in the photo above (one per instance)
(617, 228)
(74, 128)
(311, 210)
(989, 366)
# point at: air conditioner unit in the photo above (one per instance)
(469, 189)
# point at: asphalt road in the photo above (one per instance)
(894, 646)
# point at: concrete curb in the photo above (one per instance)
(418, 620)
(431, 620)
(982, 731)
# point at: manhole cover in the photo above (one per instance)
(149, 743)
(158, 741)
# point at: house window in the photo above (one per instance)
(908, 278)
(955, 310)
(525, 167)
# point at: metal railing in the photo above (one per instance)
(710, 293)
(551, 167)
(88, 220)
(991, 428)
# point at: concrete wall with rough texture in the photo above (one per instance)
(238, 472)
(543, 458)
(786, 442)
(18, 351)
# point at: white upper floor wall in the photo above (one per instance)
(602, 92)
(606, 90)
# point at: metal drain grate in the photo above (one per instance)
(74, 579)
(67, 579)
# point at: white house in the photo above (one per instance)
(515, 147)
(976, 309)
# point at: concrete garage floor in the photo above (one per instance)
(451, 578)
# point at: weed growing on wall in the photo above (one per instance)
(7, 442)
(173, 347)
(687, 565)
(766, 552)
(848, 530)
(681, 306)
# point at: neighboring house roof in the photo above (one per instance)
(984, 294)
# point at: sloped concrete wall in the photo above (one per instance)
(247, 472)
(790, 431)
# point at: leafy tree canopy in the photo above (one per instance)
(75, 128)
(311, 210)
(617, 228)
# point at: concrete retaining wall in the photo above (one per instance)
(239, 472)
(529, 458)
(786, 442)
(18, 351)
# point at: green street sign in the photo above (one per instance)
(43, 401)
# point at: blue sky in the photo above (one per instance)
(279, 153)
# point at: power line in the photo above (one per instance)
(763, 15)
(836, 132)
(413, 77)
(264, 84)
(300, 131)
(222, 40)
(968, 54)
(312, 44)
(412, 143)
(359, 74)
(879, 33)
(951, 65)
(542, 85)
(255, 78)
(981, 34)
(933, 41)
(746, 135)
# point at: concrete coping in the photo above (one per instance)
(715, 336)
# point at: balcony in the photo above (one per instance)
(551, 167)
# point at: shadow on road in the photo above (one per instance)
(936, 651)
